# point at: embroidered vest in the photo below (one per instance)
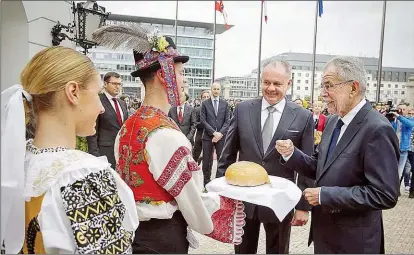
(33, 241)
(132, 163)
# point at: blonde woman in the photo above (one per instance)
(56, 199)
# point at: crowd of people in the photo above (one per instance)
(140, 187)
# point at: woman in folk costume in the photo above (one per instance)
(56, 199)
(154, 156)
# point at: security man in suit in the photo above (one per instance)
(215, 117)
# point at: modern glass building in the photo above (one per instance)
(194, 39)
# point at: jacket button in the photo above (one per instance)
(263, 163)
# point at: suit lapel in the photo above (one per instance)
(108, 105)
(124, 109)
(288, 116)
(210, 104)
(347, 137)
(255, 121)
(324, 144)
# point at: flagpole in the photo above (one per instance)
(315, 33)
(379, 76)
(176, 22)
(213, 73)
(260, 51)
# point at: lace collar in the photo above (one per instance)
(33, 149)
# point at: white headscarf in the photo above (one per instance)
(13, 149)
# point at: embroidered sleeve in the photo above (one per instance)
(96, 213)
(176, 171)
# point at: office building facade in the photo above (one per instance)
(194, 39)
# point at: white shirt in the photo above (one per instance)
(113, 104)
(349, 117)
(218, 102)
(276, 114)
(182, 109)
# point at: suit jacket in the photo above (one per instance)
(245, 137)
(197, 111)
(212, 122)
(321, 122)
(189, 123)
(358, 180)
(107, 126)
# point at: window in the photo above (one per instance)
(396, 86)
(390, 76)
(306, 81)
(382, 85)
(299, 74)
(375, 85)
(306, 88)
(369, 78)
(307, 74)
(297, 88)
(389, 85)
(403, 92)
(298, 81)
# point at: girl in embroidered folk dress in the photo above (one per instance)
(154, 156)
(56, 199)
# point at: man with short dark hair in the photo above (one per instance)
(185, 117)
(108, 123)
(198, 143)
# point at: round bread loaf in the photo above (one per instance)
(246, 174)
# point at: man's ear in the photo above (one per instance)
(160, 76)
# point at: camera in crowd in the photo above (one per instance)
(390, 110)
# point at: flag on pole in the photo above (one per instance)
(265, 10)
(220, 8)
(320, 7)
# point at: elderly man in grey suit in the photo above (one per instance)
(254, 129)
(185, 117)
(355, 166)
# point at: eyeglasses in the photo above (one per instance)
(115, 83)
(329, 87)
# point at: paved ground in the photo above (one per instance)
(398, 224)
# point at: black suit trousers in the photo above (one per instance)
(108, 151)
(198, 145)
(208, 146)
(277, 236)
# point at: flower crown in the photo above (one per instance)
(158, 41)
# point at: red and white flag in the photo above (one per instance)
(265, 10)
(220, 8)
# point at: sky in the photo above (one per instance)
(345, 28)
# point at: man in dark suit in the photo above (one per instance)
(185, 117)
(355, 166)
(215, 117)
(254, 129)
(108, 123)
(198, 143)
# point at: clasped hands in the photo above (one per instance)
(217, 137)
(286, 148)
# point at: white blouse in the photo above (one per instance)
(87, 207)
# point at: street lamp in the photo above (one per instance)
(87, 17)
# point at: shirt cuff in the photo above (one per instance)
(287, 158)
(319, 197)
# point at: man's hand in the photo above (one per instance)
(300, 218)
(312, 195)
(217, 137)
(285, 147)
(395, 114)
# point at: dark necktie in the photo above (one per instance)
(180, 114)
(335, 137)
(118, 113)
(215, 106)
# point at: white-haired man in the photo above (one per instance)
(355, 166)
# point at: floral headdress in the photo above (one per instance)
(150, 50)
